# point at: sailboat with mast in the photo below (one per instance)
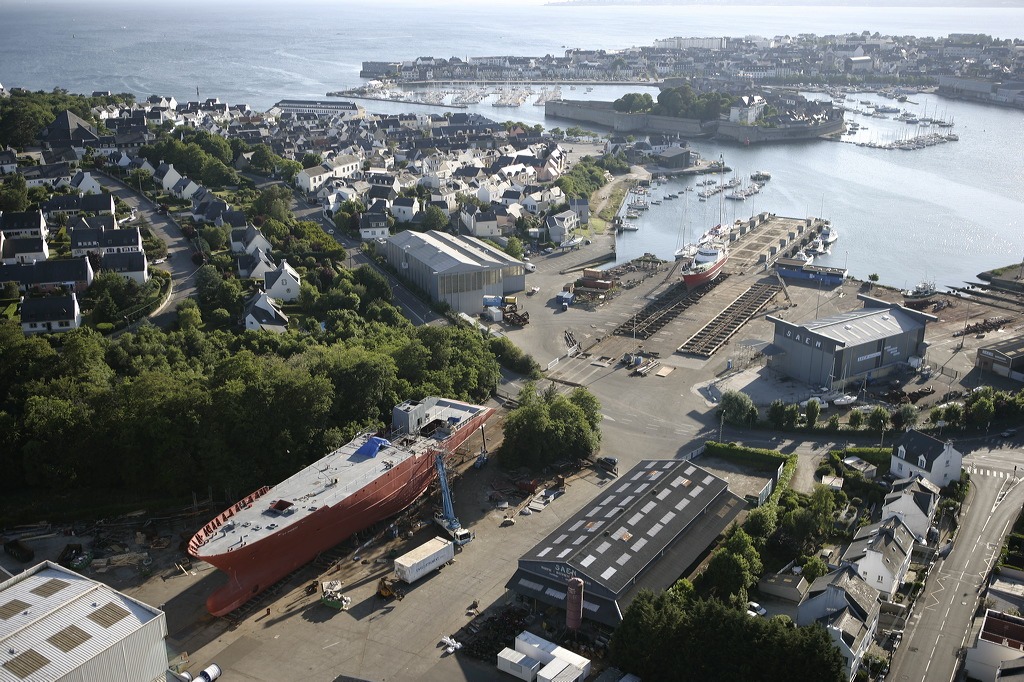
(710, 254)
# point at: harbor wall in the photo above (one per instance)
(602, 114)
(747, 134)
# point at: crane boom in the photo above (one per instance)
(447, 519)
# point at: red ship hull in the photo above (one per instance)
(697, 279)
(257, 566)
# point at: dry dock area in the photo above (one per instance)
(765, 237)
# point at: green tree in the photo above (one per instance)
(514, 247)
(737, 408)
(878, 418)
(762, 522)
(548, 427)
(14, 193)
(434, 219)
(189, 316)
(21, 123)
(728, 575)
(310, 159)
(905, 417)
(822, 507)
(980, 413)
(813, 568)
(215, 237)
(813, 411)
(856, 419)
(792, 416)
(954, 414)
(777, 414)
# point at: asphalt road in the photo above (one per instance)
(938, 631)
(179, 251)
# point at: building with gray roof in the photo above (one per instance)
(848, 608)
(58, 625)
(455, 269)
(642, 532)
(849, 348)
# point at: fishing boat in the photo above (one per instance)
(278, 529)
(922, 291)
(817, 247)
(845, 400)
(829, 235)
(706, 264)
(761, 176)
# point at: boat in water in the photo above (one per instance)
(922, 291)
(706, 263)
(817, 247)
(278, 529)
(829, 235)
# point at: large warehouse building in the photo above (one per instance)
(56, 625)
(851, 347)
(643, 532)
(457, 270)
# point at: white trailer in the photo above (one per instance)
(429, 556)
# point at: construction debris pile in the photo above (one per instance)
(485, 636)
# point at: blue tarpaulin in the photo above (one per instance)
(371, 447)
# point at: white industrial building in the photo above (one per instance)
(455, 269)
(57, 626)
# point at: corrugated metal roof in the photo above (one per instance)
(54, 620)
(864, 325)
(443, 252)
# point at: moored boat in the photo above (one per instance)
(278, 529)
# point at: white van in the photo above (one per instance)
(530, 267)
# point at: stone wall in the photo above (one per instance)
(601, 113)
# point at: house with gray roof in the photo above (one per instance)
(50, 314)
(184, 188)
(562, 226)
(881, 553)
(166, 176)
(23, 224)
(130, 265)
(47, 276)
(96, 235)
(85, 183)
(914, 500)
(918, 454)
(282, 283)
(23, 250)
(847, 607)
(261, 314)
(255, 265)
(8, 161)
(47, 175)
(247, 239)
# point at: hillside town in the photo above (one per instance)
(964, 65)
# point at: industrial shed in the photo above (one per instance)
(643, 532)
(57, 625)
(849, 348)
(454, 269)
(1005, 358)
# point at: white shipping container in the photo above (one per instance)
(429, 556)
(545, 651)
(560, 671)
(518, 665)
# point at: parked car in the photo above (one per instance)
(1009, 433)
(756, 608)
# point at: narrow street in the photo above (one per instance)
(179, 251)
(938, 630)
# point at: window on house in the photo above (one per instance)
(879, 578)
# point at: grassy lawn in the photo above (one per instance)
(611, 206)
